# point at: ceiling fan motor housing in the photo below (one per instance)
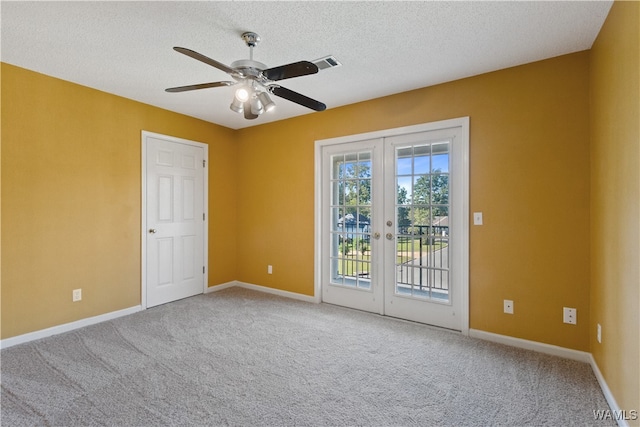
(248, 67)
(251, 38)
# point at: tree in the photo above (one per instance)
(430, 197)
(355, 186)
(403, 210)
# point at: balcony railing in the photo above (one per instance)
(421, 259)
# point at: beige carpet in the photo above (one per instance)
(240, 357)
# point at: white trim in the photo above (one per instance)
(278, 292)
(143, 258)
(553, 350)
(265, 289)
(317, 222)
(216, 288)
(462, 122)
(567, 353)
(424, 127)
(67, 327)
(606, 391)
(143, 220)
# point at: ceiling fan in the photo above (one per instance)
(255, 81)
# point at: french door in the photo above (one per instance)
(394, 224)
(351, 249)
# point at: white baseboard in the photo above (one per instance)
(566, 353)
(606, 391)
(55, 330)
(278, 292)
(264, 289)
(67, 327)
(216, 288)
(554, 350)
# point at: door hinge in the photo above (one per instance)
(204, 163)
(203, 269)
(203, 216)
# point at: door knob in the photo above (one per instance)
(376, 236)
(389, 223)
(153, 231)
(389, 236)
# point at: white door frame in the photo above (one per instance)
(462, 122)
(143, 230)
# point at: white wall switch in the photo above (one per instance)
(570, 315)
(508, 306)
(599, 333)
(77, 295)
(477, 218)
(269, 269)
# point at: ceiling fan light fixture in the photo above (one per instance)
(256, 106)
(243, 94)
(236, 105)
(266, 101)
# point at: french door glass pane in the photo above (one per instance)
(422, 209)
(351, 183)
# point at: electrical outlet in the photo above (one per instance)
(77, 295)
(269, 269)
(477, 218)
(599, 334)
(570, 315)
(508, 306)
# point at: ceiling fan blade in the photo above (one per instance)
(298, 98)
(296, 69)
(198, 86)
(247, 111)
(200, 57)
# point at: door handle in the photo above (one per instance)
(376, 236)
(389, 236)
(153, 231)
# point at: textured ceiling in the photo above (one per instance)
(125, 48)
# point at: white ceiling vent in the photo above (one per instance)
(327, 62)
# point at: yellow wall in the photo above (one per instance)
(71, 198)
(615, 202)
(561, 213)
(529, 174)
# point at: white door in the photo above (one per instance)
(393, 226)
(174, 263)
(352, 187)
(424, 227)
